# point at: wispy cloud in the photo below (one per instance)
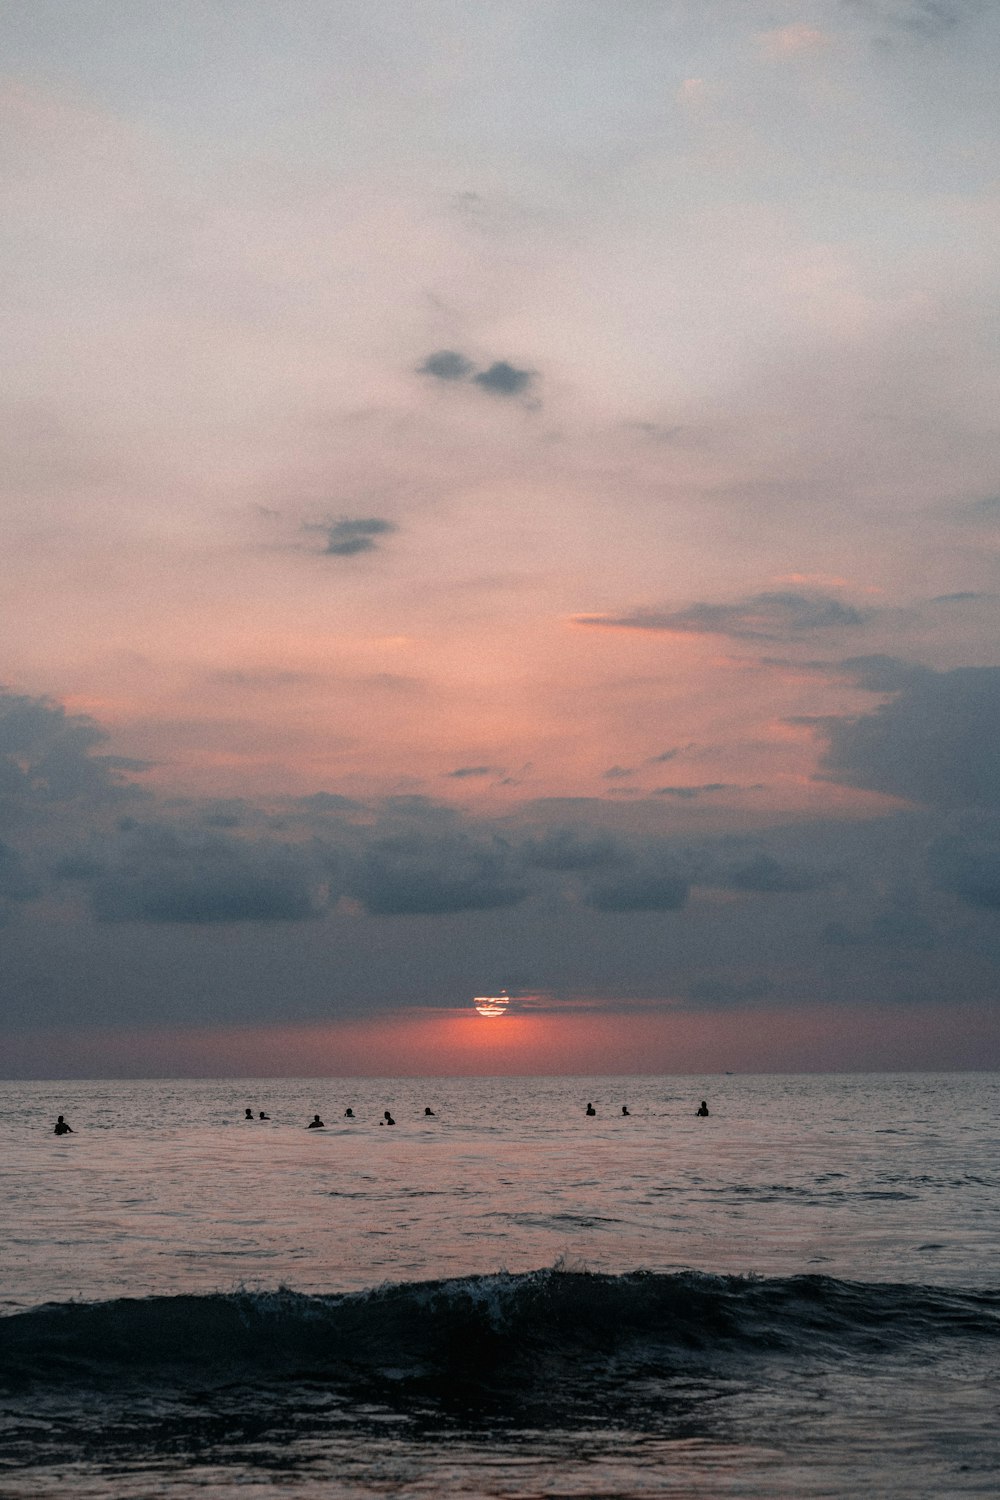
(689, 793)
(664, 756)
(767, 616)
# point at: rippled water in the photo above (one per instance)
(863, 1360)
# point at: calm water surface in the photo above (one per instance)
(597, 1333)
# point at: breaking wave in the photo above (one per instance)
(494, 1331)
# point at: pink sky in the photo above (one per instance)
(567, 435)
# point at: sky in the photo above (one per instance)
(499, 495)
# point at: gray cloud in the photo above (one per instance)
(928, 19)
(225, 887)
(163, 874)
(447, 364)
(17, 883)
(567, 849)
(500, 378)
(420, 874)
(690, 793)
(504, 379)
(640, 890)
(896, 926)
(968, 867)
(328, 802)
(79, 864)
(763, 872)
(728, 993)
(349, 537)
(768, 616)
(233, 861)
(47, 755)
(882, 674)
(220, 819)
(937, 741)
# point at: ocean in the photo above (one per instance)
(796, 1296)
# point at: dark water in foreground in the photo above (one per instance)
(796, 1297)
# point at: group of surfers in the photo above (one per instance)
(61, 1128)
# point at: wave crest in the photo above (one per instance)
(480, 1329)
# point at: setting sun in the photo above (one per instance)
(492, 1005)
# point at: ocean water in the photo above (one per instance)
(797, 1296)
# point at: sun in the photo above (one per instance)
(492, 1005)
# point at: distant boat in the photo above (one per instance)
(492, 1005)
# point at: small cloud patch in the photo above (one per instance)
(446, 364)
(501, 378)
(504, 379)
(351, 537)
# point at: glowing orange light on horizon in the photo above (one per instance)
(492, 1005)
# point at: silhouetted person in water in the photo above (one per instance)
(387, 1117)
(263, 1116)
(429, 1111)
(62, 1128)
(704, 1108)
(248, 1114)
(624, 1109)
(590, 1108)
(348, 1113)
(315, 1124)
